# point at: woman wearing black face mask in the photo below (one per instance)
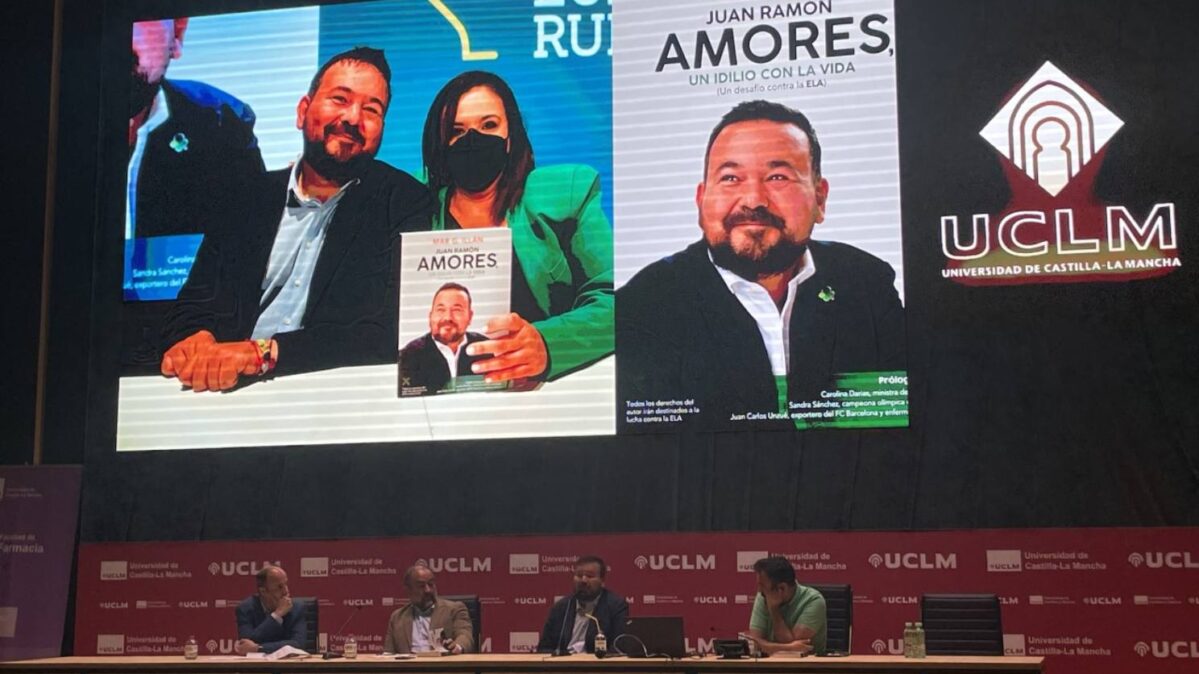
(479, 163)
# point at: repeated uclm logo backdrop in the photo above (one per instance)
(1085, 599)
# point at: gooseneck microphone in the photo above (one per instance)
(558, 647)
(329, 654)
(601, 642)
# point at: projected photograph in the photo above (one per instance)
(277, 161)
(758, 243)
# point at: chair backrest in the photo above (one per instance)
(961, 624)
(312, 614)
(476, 614)
(838, 600)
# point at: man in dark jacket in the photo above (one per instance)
(268, 620)
(570, 627)
(306, 281)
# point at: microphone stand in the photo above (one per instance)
(329, 654)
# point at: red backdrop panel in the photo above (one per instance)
(1092, 601)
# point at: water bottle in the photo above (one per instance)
(191, 650)
(601, 645)
(909, 640)
(918, 643)
(350, 650)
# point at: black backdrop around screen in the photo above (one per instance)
(1038, 405)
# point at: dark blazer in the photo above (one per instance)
(255, 624)
(611, 610)
(423, 370)
(682, 335)
(350, 318)
(204, 148)
(185, 188)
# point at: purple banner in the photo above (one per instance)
(39, 509)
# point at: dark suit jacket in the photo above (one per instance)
(185, 191)
(350, 318)
(449, 616)
(181, 189)
(255, 624)
(681, 335)
(611, 610)
(423, 367)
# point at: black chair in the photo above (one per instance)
(961, 624)
(312, 611)
(838, 600)
(476, 613)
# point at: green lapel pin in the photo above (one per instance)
(179, 142)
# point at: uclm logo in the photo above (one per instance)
(238, 568)
(1168, 649)
(114, 570)
(523, 642)
(891, 646)
(1004, 561)
(219, 646)
(314, 567)
(110, 644)
(747, 558)
(456, 564)
(530, 601)
(524, 564)
(1164, 560)
(1051, 135)
(1102, 601)
(676, 562)
(1013, 645)
(710, 599)
(914, 560)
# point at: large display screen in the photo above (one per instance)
(394, 221)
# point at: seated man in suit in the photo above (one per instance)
(188, 141)
(428, 623)
(305, 280)
(756, 314)
(267, 620)
(568, 629)
(430, 362)
(786, 616)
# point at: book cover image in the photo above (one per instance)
(753, 143)
(451, 284)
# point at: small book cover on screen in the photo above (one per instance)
(451, 283)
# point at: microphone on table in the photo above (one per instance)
(601, 642)
(329, 654)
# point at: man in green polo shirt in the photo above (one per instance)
(787, 616)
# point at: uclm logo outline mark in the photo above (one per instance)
(1051, 136)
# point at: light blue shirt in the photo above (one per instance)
(159, 113)
(422, 636)
(298, 242)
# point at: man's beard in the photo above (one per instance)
(454, 334)
(751, 265)
(331, 167)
